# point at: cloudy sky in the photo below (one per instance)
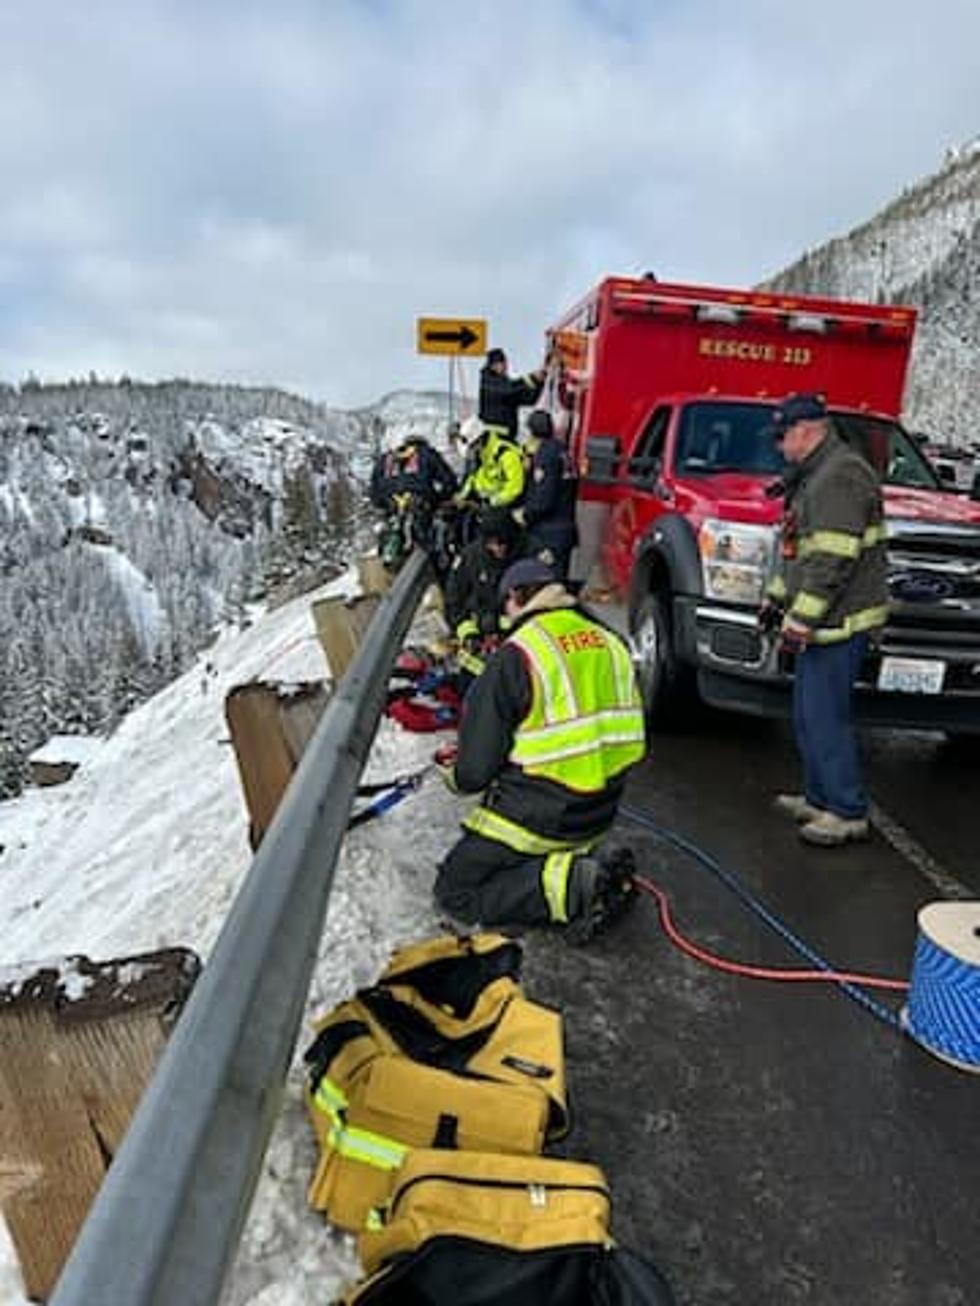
(273, 192)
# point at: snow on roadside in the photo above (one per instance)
(146, 847)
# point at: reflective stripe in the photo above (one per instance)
(329, 1097)
(776, 589)
(842, 544)
(808, 605)
(625, 677)
(554, 882)
(837, 543)
(491, 825)
(348, 1140)
(615, 727)
(541, 650)
(371, 1149)
(567, 684)
(468, 626)
(855, 624)
(471, 662)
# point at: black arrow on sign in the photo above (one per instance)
(462, 336)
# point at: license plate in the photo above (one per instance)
(911, 675)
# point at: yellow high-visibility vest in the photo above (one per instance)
(585, 725)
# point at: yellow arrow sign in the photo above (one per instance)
(452, 335)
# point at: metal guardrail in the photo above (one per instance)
(168, 1217)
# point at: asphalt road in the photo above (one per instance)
(772, 1144)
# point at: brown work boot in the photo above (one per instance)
(827, 830)
(796, 806)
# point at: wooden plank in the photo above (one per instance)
(372, 575)
(270, 726)
(340, 626)
(79, 1042)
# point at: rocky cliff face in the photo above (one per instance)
(922, 249)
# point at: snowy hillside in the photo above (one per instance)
(146, 847)
(133, 519)
(922, 249)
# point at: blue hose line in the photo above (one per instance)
(745, 894)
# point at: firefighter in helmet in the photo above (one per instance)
(409, 481)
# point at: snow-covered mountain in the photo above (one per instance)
(922, 249)
(135, 517)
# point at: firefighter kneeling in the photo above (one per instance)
(549, 731)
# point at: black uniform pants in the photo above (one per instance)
(484, 882)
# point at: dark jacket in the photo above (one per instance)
(496, 704)
(501, 397)
(471, 587)
(833, 576)
(415, 469)
(549, 499)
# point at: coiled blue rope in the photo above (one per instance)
(943, 1012)
(741, 890)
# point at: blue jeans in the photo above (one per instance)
(823, 722)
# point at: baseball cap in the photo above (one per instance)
(793, 409)
(524, 573)
(496, 356)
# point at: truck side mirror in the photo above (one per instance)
(947, 475)
(644, 472)
(602, 454)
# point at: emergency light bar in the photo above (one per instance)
(786, 312)
(724, 313)
(807, 322)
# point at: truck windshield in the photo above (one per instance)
(727, 437)
(716, 436)
(888, 449)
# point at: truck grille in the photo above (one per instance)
(934, 592)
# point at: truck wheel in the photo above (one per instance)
(667, 687)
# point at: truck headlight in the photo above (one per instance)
(736, 559)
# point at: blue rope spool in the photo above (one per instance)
(943, 1011)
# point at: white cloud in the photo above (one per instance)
(275, 193)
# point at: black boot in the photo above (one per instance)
(605, 889)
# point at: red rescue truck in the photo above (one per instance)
(664, 394)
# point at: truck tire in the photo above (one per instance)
(666, 685)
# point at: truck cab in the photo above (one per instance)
(666, 395)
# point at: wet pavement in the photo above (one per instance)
(772, 1144)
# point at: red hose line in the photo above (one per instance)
(755, 972)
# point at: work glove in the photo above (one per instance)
(794, 635)
(468, 628)
(444, 759)
(770, 616)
